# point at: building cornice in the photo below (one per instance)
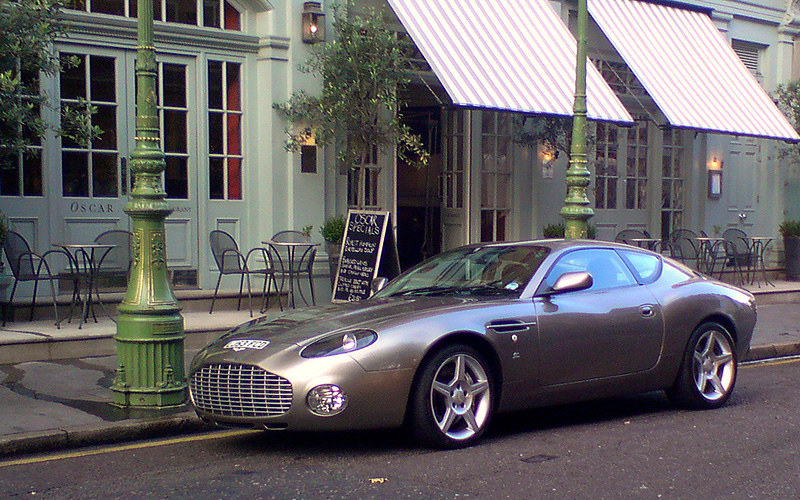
(121, 32)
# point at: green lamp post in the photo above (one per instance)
(150, 334)
(576, 211)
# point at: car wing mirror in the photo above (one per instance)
(571, 282)
(377, 284)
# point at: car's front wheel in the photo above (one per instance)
(452, 402)
(708, 371)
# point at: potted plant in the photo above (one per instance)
(790, 230)
(332, 231)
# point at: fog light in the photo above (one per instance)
(326, 400)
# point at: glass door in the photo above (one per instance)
(91, 191)
(455, 179)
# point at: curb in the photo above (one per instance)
(764, 352)
(106, 433)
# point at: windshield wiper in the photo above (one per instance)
(428, 290)
(488, 289)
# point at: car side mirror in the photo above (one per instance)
(377, 284)
(571, 282)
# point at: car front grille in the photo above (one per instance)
(240, 391)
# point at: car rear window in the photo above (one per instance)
(646, 266)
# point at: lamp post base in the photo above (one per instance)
(150, 363)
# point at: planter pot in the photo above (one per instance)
(334, 250)
(791, 247)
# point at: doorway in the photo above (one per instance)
(418, 191)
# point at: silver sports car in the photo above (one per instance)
(478, 330)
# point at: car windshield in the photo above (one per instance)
(493, 270)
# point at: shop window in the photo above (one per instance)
(636, 171)
(225, 130)
(91, 170)
(21, 174)
(621, 173)
(173, 113)
(208, 13)
(606, 167)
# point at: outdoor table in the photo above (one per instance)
(648, 243)
(291, 248)
(84, 259)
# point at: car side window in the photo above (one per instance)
(606, 267)
(647, 266)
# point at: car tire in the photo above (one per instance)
(708, 370)
(453, 399)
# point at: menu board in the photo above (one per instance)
(367, 237)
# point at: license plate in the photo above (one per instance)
(241, 345)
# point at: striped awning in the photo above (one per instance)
(512, 55)
(689, 70)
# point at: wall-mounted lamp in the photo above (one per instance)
(313, 22)
(715, 178)
(548, 157)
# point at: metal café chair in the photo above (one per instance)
(286, 245)
(684, 246)
(738, 252)
(27, 265)
(116, 261)
(231, 261)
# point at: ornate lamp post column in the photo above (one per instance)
(576, 211)
(150, 372)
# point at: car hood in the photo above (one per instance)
(303, 326)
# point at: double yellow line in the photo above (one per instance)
(126, 447)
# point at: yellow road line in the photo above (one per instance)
(771, 362)
(126, 447)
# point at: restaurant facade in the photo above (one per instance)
(661, 158)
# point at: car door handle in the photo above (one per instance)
(647, 311)
(510, 326)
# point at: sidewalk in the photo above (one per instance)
(57, 394)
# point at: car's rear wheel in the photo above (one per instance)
(708, 371)
(452, 402)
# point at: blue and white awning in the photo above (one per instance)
(514, 55)
(689, 70)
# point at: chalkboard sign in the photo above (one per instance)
(368, 246)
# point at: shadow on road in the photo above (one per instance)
(347, 443)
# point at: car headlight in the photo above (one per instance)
(326, 400)
(340, 343)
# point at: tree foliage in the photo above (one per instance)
(788, 99)
(28, 29)
(362, 71)
(551, 132)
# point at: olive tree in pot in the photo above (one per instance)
(332, 232)
(790, 230)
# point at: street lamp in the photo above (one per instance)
(150, 334)
(576, 211)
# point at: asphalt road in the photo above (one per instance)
(631, 448)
